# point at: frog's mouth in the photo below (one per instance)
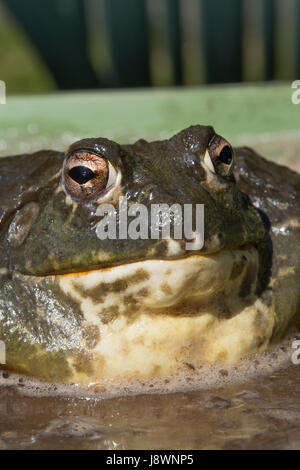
(153, 285)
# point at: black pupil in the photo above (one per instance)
(226, 155)
(81, 174)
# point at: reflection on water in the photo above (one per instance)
(261, 414)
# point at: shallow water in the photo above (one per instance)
(260, 414)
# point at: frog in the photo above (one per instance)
(79, 308)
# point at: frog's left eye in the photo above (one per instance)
(219, 156)
(87, 175)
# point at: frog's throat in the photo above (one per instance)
(151, 318)
(156, 316)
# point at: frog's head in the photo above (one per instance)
(196, 166)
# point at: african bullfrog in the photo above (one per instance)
(77, 308)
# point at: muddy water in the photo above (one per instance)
(262, 414)
(258, 412)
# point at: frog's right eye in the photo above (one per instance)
(219, 157)
(87, 175)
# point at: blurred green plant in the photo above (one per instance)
(22, 69)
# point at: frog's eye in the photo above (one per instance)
(87, 175)
(219, 156)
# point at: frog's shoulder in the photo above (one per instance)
(23, 176)
(273, 188)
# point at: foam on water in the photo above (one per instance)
(267, 363)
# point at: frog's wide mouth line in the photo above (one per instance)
(158, 283)
(174, 259)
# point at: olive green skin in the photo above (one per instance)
(275, 191)
(169, 172)
(260, 206)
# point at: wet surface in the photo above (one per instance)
(261, 413)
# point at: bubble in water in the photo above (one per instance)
(209, 376)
